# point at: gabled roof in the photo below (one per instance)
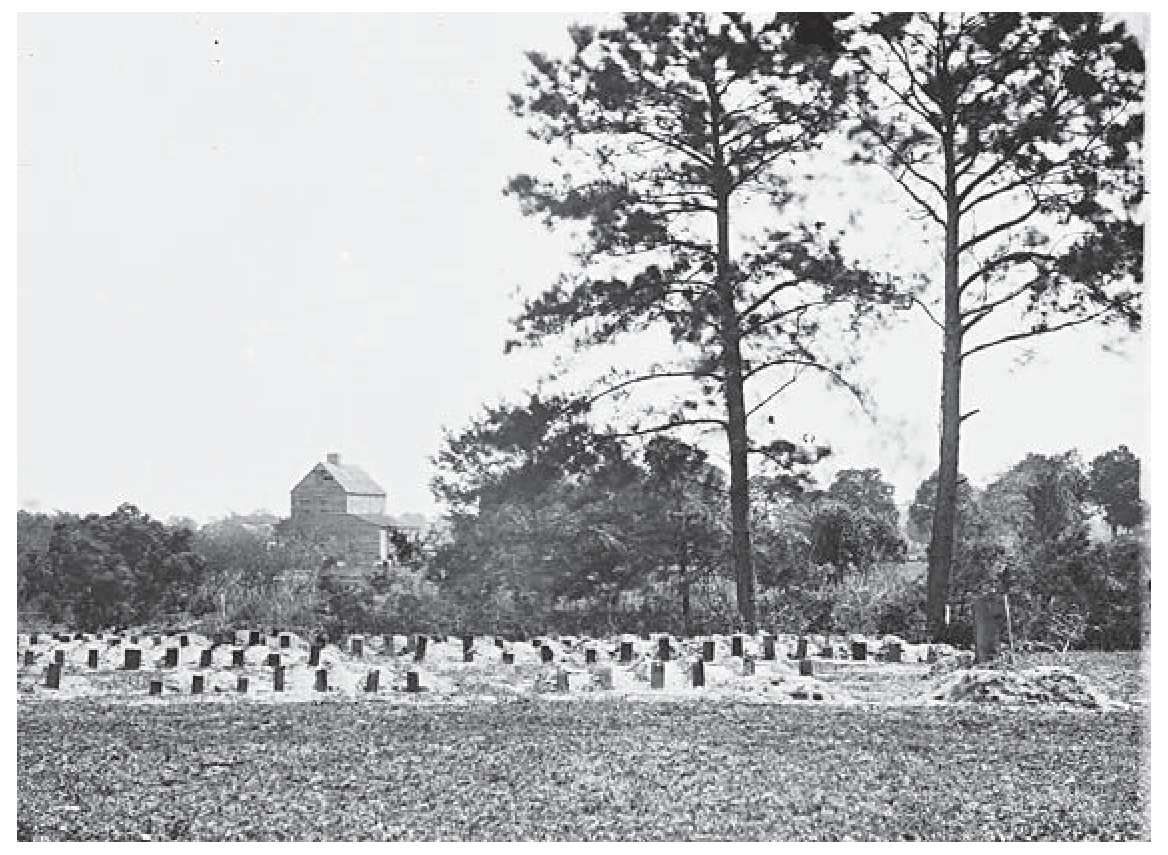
(352, 479)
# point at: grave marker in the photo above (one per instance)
(321, 684)
(372, 680)
(590, 656)
(357, 645)
(133, 659)
(801, 648)
(53, 676)
(748, 666)
(545, 654)
(663, 649)
(657, 675)
(508, 657)
(254, 639)
(197, 684)
(895, 652)
(236, 658)
(285, 641)
(412, 684)
(988, 616)
(241, 685)
(273, 660)
(420, 653)
(736, 646)
(171, 660)
(698, 674)
(708, 651)
(806, 668)
(314, 655)
(561, 680)
(605, 675)
(278, 678)
(184, 640)
(468, 656)
(626, 651)
(467, 643)
(92, 658)
(29, 657)
(768, 648)
(859, 651)
(827, 652)
(59, 657)
(498, 642)
(32, 639)
(156, 687)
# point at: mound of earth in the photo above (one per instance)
(1044, 685)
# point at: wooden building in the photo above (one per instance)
(340, 503)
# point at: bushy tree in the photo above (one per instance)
(1114, 485)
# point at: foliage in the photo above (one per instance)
(1115, 487)
(97, 571)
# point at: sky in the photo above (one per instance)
(246, 241)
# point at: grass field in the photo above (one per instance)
(569, 770)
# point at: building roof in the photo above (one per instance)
(353, 479)
(386, 521)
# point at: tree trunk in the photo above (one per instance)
(945, 509)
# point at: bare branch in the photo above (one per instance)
(776, 393)
(980, 313)
(1036, 332)
(670, 426)
(644, 378)
(999, 228)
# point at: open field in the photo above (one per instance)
(568, 770)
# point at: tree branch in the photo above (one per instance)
(999, 228)
(644, 378)
(1032, 333)
(670, 426)
(776, 393)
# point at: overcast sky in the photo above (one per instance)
(247, 241)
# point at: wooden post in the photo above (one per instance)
(698, 674)
(626, 651)
(508, 657)
(254, 639)
(801, 648)
(663, 651)
(420, 652)
(357, 645)
(859, 650)
(32, 639)
(59, 657)
(467, 643)
(184, 640)
(321, 680)
(92, 658)
(590, 656)
(1009, 623)
(236, 658)
(197, 684)
(412, 684)
(285, 641)
(53, 676)
(133, 659)
(708, 651)
(205, 658)
(372, 680)
(545, 654)
(278, 678)
(736, 645)
(171, 660)
(241, 685)
(806, 668)
(314, 655)
(273, 660)
(498, 642)
(657, 676)
(156, 687)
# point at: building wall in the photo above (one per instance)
(366, 504)
(318, 493)
(356, 541)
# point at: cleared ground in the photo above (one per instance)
(571, 770)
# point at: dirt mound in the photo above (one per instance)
(1050, 685)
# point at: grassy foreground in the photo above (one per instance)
(577, 771)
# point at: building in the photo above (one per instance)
(341, 504)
